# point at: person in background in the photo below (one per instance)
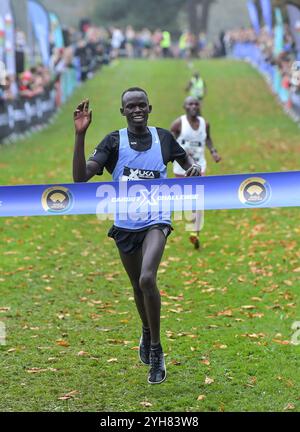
(26, 85)
(11, 88)
(156, 40)
(196, 87)
(193, 133)
(182, 45)
(166, 44)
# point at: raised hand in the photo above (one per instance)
(82, 117)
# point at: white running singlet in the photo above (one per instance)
(193, 142)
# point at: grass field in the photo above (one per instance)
(227, 311)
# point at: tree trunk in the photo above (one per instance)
(203, 20)
(192, 16)
(198, 14)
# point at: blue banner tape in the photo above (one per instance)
(191, 193)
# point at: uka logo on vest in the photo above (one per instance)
(150, 200)
(139, 174)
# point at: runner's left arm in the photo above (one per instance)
(210, 146)
(190, 166)
(184, 159)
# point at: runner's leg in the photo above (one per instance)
(152, 251)
(199, 214)
(133, 264)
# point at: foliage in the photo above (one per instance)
(144, 13)
(140, 14)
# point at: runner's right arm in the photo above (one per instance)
(82, 171)
(176, 128)
(188, 86)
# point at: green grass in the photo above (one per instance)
(62, 280)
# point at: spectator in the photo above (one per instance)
(11, 88)
(26, 84)
(130, 40)
(166, 44)
(117, 41)
(156, 41)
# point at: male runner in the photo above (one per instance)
(127, 154)
(193, 133)
(196, 87)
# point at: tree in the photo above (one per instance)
(198, 14)
(142, 13)
(154, 14)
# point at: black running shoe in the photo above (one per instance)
(158, 370)
(195, 241)
(144, 347)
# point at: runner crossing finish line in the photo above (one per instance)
(138, 197)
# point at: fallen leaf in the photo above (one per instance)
(39, 370)
(220, 346)
(62, 342)
(201, 397)
(256, 299)
(82, 353)
(69, 395)
(222, 407)
(209, 290)
(115, 341)
(254, 335)
(281, 342)
(289, 406)
(252, 381)
(255, 315)
(146, 404)
(177, 311)
(290, 383)
(208, 380)
(242, 279)
(175, 362)
(227, 312)
(175, 259)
